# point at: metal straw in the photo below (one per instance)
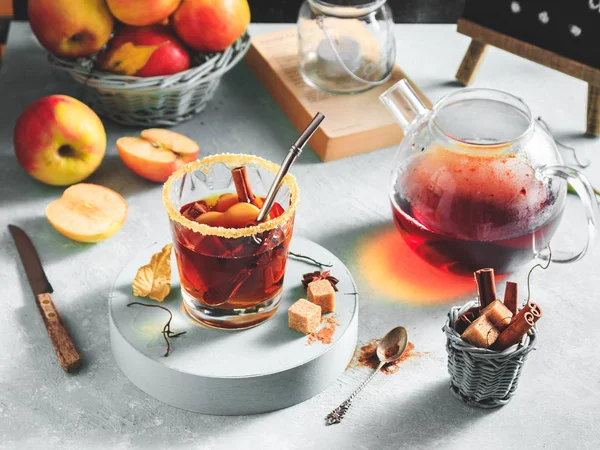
(294, 152)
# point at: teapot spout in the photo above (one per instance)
(404, 103)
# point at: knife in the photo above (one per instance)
(68, 356)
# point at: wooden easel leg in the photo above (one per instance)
(593, 110)
(471, 62)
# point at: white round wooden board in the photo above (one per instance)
(261, 369)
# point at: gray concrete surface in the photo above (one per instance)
(344, 207)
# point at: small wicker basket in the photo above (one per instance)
(154, 101)
(482, 377)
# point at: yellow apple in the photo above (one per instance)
(71, 29)
(59, 140)
(142, 12)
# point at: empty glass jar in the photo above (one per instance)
(345, 46)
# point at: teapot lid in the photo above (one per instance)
(482, 118)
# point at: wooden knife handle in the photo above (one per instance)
(68, 356)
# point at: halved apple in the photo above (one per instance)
(157, 153)
(87, 212)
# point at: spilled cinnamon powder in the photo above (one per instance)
(368, 357)
(325, 334)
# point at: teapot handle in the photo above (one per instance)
(586, 194)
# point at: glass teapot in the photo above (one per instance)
(479, 183)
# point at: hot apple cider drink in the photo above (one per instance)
(207, 263)
(231, 267)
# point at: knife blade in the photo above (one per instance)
(31, 262)
(68, 356)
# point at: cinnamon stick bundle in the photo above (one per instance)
(465, 319)
(462, 323)
(481, 333)
(486, 286)
(536, 311)
(242, 184)
(511, 297)
(515, 331)
(532, 308)
(498, 314)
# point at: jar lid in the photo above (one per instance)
(346, 8)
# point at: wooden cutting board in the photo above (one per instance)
(356, 123)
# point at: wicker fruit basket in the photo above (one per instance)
(482, 377)
(154, 101)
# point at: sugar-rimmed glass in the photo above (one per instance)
(230, 278)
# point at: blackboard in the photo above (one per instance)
(570, 28)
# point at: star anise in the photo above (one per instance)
(308, 278)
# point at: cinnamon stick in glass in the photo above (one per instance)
(511, 297)
(195, 211)
(486, 286)
(514, 332)
(242, 184)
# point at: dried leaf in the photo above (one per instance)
(154, 279)
(128, 58)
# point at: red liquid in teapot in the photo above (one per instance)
(462, 212)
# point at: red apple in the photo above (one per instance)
(71, 29)
(211, 25)
(145, 52)
(142, 12)
(59, 140)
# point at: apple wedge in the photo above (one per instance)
(157, 153)
(87, 212)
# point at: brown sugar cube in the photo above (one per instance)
(498, 314)
(481, 333)
(304, 316)
(321, 293)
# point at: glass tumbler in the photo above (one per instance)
(231, 278)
